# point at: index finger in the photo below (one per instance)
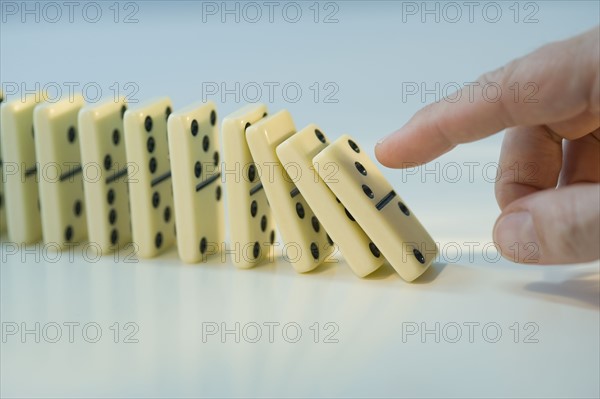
(557, 82)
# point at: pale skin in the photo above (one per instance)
(550, 212)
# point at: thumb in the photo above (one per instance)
(552, 226)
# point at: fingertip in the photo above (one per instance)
(553, 226)
(515, 236)
(382, 151)
(396, 150)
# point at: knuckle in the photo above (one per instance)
(502, 78)
(562, 236)
(567, 244)
(504, 193)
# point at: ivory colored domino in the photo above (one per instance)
(60, 172)
(372, 201)
(20, 170)
(361, 254)
(306, 241)
(195, 168)
(149, 177)
(251, 223)
(106, 194)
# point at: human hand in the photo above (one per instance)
(557, 212)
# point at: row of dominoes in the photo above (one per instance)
(114, 175)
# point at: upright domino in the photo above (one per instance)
(149, 177)
(194, 138)
(372, 201)
(60, 172)
(2, 199)
(106, 192)
(251, 225)
(20, 170)
(306, 243)
(360, 253)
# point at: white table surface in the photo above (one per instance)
(370, 54)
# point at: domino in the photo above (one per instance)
(106, 191)
(20, 170)
(196, 173)
(372, 201)
(307, 244)
(149, 177)
(2, 199)
(60, 172)
(360, 253)
(251, 224)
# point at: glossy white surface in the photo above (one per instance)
(170, 301)
(369, 54)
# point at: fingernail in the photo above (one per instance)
(514, 234)
(386, 137)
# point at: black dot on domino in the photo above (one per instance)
(315, 224)
(150, 144)
(110, 196)
(300, 210)
(320, 136)
(77, 208)
(314, 250)
(349, 215)
(216, 158)
(194, 128)
(107, 162)
(361, 169)
(203, 245)
(167, 112)
(263, 223)
(197, 169)
(116, 137)
(264, 115)
(167, 214)
(114, 236)
(69, 233)
(218, 193)
(205, 143)
(152, 165)
(403, 208)
(112, 216)
(256, 250)
(155, 199)
(368, 191)
(71, 134)
(419, 256)
(253, 208)
(148, 124)
(272, 237)
(213, 117)
(374, 250)
(354, 147)
(123, 109)
(251, 173)
(158, 240)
